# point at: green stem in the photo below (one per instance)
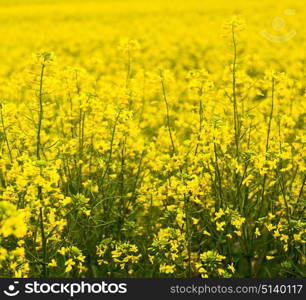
(38, 156)
(5, 135)
(167, 113)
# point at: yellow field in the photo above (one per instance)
(152, 138)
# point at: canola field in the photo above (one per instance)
(152, 138)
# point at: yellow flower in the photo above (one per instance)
(219, 214)
(3, 253)
(69, 263)
(271, 216)
(14, 223)
(270, 227)
(220, 226)
(151, 259)
(171, 207)
(237, 222)
(297, 237)
(202, 270)
(195, 221)
(276, 233)
(116, 253)
(81, 258)
(166, 268)
(229, 236)
(20, 243)
(62, 251)
(81, 268)
(231, 267)
(87, 212)
(284, 237)
(221, 271)
(205, 232)
(238, 232)
(66, 201)
(247, 180)
(53, 263)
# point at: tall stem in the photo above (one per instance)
(5, 135)
(268, 140)
(40, 112)
(234, 91)
(38, 156)
(188, 234)
(270, 116)
(167, 114)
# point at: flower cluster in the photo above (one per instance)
(150, 146)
